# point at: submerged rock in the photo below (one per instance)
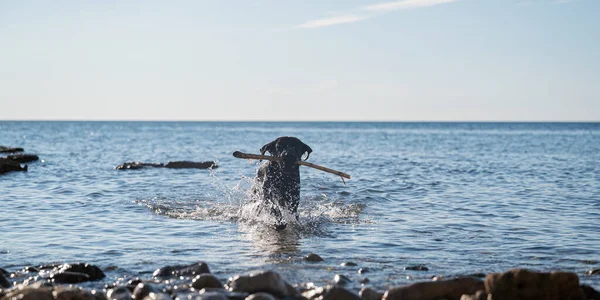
(451, 289)
(525, 284)
(8, 165)
(23, 158)
(417, 268)
(267, 281)
(182, 270)
(341, 279)
(170, 165)
(69, 277)
(4, 149)
(313, 257)
(348, 264)
(593, 272)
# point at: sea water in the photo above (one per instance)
(456, 198)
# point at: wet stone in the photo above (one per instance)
(119, 293)
(266, 281)
(69, 277)
(339, 293)
(443, 289)
(417, 268)
(341, 279)
(92, 271)
(72, 293)
(313, 257)
(365, 281)
(206, 281)
(31, 294)
(213, 294)
(144, 289)
(348, 264)
(4, 282)
(363, 270)
(182, 270)
(590, 292)
(368, 293)
(261, 296)
(593, 272)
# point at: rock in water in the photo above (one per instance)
(182, 270)
(8, 165)
(267, 281)
(4, 149)
(92, 271)
(525, 284)
(206, 281)
(313, 257)
(451, 289)
(23, 158)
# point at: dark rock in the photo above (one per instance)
(451, 289)
(119, 293)
(363, 270)
(593, 272)
(182, 270)
(590, 293)
(206, 281)
(313, 257)
(92, 271)
(8, 165)
(69, 277)
(368, 293)
(29, 293)
(31, 269)
(525, 284)
(417, 268)
(170, 165)
(267, 281)
(72, 293)
(191, 165)
(365, 281)
(23, 158)
(143, 290)
(480, 295)
(10, 150)
(341, 279)
(339, 293)
(261, 296)
(6, 273)
(4, 282)
(138, 165)
(213, 296)
(348, 264)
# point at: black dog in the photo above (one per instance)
(277, 183)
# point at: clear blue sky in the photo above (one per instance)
(411, 60)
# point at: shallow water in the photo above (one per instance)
(458, 198)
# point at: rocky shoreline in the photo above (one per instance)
(195, 281)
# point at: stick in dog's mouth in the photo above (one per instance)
(239, 154)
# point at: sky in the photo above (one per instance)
(313, 60)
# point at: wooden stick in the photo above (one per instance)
(239, 154)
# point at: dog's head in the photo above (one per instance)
(290, 149)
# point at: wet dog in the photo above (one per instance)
(277, 183)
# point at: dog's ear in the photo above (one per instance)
(306, 149)
(268, 147)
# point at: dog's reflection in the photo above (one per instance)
(274, 242)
